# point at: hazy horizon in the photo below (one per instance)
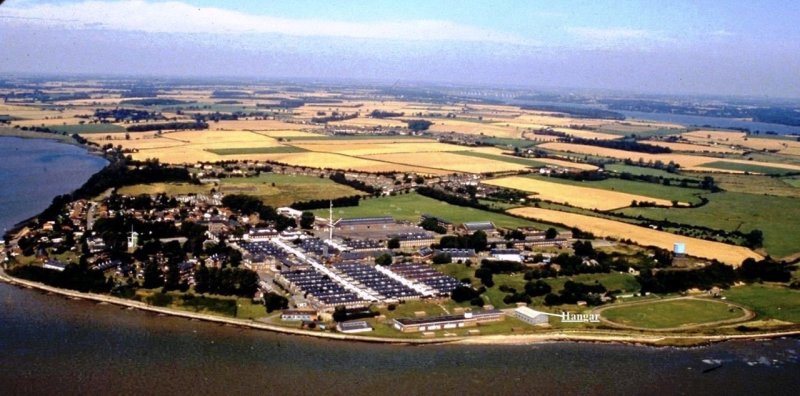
(678, 48)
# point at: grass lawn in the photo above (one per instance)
(168, 188)
(410, 206)
(281, 190)
(768, 170)
(669, 314)
(770, 301)
(352, 137)
(257, 150)
(504, 158)
(671, 193)
(777, 217)
(640, 170)
(506, 142)
(87, 128)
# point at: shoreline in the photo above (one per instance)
(649, 340)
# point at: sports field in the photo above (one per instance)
(672, 314)
(409, 207)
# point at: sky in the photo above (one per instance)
(670, 47)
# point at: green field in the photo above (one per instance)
(353, 137)
(777, 217)
(655, 190)
(769, 301)
(258, 150)
(641, 170)
(735, 166)
(87, 128)
(503, 158)
(509, 142)
(14, 132)
(755, 184)
(409, 207)
(673, 313)
(168, 188)
(281, 190)
(792, 181)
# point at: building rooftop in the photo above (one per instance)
(479, 226)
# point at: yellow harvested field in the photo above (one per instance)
(696, 148)
(371, 122)
(288, 134)
(337, 161)
(783, 146)
(554, 120)
(582, 197)
(261, 125)
(729, 254)
(449, 161)
(684, 160)
(474, 128)
(371, 147)
(567, 164)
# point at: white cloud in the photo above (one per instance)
(722, 33)
(615, 37)
(179, 17)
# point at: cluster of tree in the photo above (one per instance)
(123, 114)
(621, 144)
(385, 114)
(431, 224)
(508, 195)
(441, 258)
(140, 92)
(418, 125)
(339, 177)
(226, 281)
(153, 102)
(452, 199)
(342, 314)
(549, 132)
(335, 116)
(671, 281)
(576, 291)
(532, 289)
(230, 94)
(466, 293)
(248, 205)
(39, 96)
(477, 241)
(275, 302)
(325, 203)
(766, 270)
(177, 125)
(75, 277)
(384, 259)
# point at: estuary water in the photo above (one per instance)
(52, 345)
(33, 171)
